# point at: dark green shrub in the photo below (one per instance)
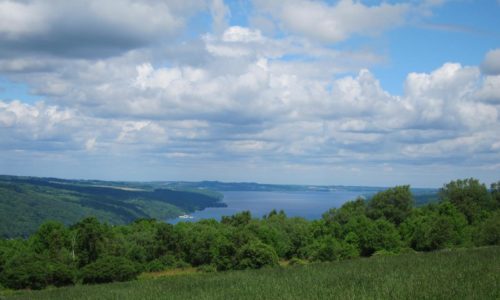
(155, 266)
(61, 274)
(109, 269)
(255, 255)
(26, 271)
(435, 227)
(488, 232)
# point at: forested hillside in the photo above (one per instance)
(26, 202)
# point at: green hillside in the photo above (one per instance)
(26, 202)
(455, 274)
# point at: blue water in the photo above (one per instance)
(309, 204)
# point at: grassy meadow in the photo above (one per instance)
(447, 274)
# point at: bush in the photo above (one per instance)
(26, 271)
(61, 274)
(255, 255)
(435, 227)
(488, 232)
(207, 268)
(109, 269)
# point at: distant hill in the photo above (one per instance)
(252, 186)
(26, 202)
(421, 195)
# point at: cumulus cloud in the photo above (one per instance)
(88, 28)
(266, 113)
(334, 22)
(235, 96)
(491, 63)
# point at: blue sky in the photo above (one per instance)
(297, 91)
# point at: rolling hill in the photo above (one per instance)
(26, 202)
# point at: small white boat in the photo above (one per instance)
(186, 217)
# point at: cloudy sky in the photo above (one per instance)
(315, 92)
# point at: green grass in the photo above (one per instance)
(455, 274)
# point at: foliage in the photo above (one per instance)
(488, 232)
(394, 204)
(469, 196)
(26, 270)
(457, 274)
(255, 255)
(434, 227)
(109, 269)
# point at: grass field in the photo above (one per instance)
(454, 274)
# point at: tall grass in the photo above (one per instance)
(454, 274)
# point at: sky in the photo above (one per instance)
(346, 92)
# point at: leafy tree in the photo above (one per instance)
(372, 235)
(435, 227)
(328, 248)
(488, 232)
(52, 238)
(393, 204)
(272, 234)
(255, 255)
(298, 231)
(88, 240)
(166, 239)
(109, 269)
(347, 211)
(495, 194)
(469, 196)
(237, 220)
(201, 242)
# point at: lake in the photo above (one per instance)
(307, 204)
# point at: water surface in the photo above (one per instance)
(307, 204)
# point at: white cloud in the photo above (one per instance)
(237, 94)
(89, 28)
(334, 23)
(491, 62)
(18, 18)
(220, 15)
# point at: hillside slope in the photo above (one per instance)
(26, 202)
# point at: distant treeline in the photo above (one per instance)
(466, 214)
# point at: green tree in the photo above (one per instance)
(327, 248)
(394, 204)
(469, 196)
(488, 232)
(166, 240)
(88, 240)
(347, 211)
(238, 220)
(434, 227)
(495, 194)
(52, 238)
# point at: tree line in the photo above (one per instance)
(466, 215)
